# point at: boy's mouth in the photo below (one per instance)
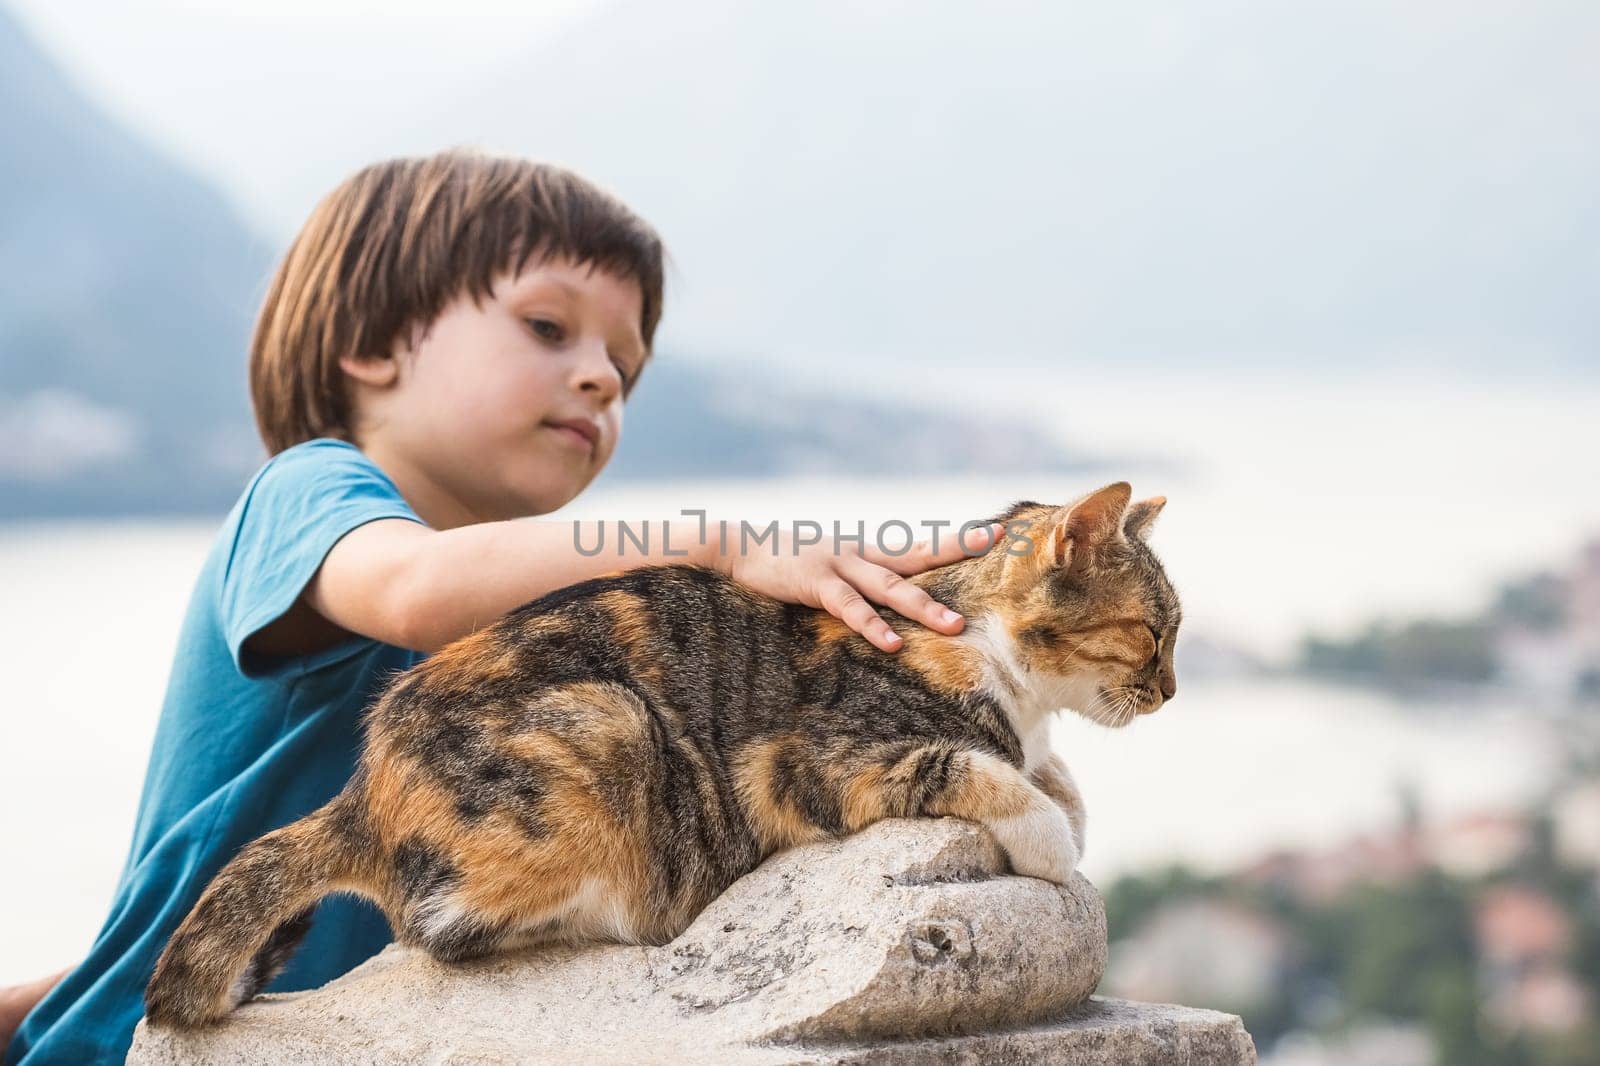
(579, 431)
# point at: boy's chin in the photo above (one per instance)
(532, 500)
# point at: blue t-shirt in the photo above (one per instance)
(244, 745)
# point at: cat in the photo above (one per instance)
(604, 761)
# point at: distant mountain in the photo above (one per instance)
(126, 293)
(127, 290)
(691, 420)
(1313, 185)
(1539, 636)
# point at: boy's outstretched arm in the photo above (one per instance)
(405, 584)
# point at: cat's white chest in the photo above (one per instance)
(1035, 744)
(1030, 701)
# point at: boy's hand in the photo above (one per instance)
(842, 581)
(400, 582)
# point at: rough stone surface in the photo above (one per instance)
(906, 943)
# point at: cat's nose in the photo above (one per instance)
(1169, 686)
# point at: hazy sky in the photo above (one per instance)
(207, 82)
(1332, 182)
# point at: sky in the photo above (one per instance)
(203, 80)
(1340, 183)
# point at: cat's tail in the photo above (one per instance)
(253, 915)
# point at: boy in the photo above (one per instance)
(444, 350)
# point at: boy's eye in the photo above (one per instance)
(626, 373)
(545, 328)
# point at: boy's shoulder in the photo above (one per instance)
(298, 505)
(317, 469)
(316, 452)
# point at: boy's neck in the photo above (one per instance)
(434, 505)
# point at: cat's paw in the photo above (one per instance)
(1055, 780)
(1039, 842)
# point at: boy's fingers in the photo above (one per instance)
(890, 589)
(978, 540)
(953, 547)
(842, 601)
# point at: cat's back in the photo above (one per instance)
(679, 632)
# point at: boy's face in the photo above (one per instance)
(510, 408)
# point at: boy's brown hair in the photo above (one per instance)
(388, 249)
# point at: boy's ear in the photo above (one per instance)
(378, 371)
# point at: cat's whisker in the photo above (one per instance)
(1118, 706)
(1091, 711)
(1113, 708)
(1104, 709)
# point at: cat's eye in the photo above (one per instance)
(1155, 634)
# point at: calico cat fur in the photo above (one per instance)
(604, 761)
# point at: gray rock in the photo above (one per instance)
(907, 943)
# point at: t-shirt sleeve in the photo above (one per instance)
(297, 508)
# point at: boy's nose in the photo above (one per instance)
(597, 375)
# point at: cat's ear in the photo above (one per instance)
(1142, 515)
(1090, 523)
